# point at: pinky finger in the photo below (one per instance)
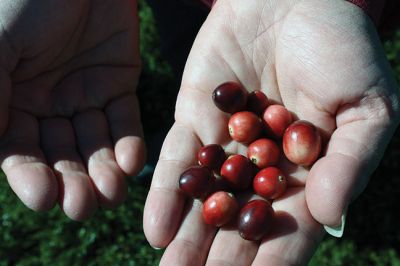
(126, 130)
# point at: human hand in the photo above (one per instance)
(69, 119)
(323, 61)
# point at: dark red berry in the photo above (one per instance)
(197, 181)
(238, 171)
(221, 184)
(212, 156)
(230, 97)
(255, 219)
(257, 102)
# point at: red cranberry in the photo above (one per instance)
(230, 97)
(302, 143)
(221, 184)
(197, 181)
(255, 219)
(257, 102)
(276, 119)
(263, 153)
(244, 126)
(269, 183)
(220, 208)
(212, 156)
(238, 171)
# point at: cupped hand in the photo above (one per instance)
(324, 62)
(69, 119)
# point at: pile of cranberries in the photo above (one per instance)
(264, 129)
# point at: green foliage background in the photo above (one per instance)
(116, 237)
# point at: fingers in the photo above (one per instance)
(93, 139)
(126, 131)
(24, 164)
(292, 240)
(295, 234)
(5, 92)
(353, 152)
(76, 195)
(229, 248)
(165, 203)
(193, 240)
(20, 152)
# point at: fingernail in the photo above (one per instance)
(156, 248)
(338, 230)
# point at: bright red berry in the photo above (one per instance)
(302, 143)
(270, 183)
(244, 126)
(220, 208)
(263, 153)
(276, 119)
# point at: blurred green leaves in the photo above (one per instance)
(110, 238)
(338, 253)
(392, 49)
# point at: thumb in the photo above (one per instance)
(363, 131)
(5, 94)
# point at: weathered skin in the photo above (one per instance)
(320, 58)
(69, 118)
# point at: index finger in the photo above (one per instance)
(165, 203)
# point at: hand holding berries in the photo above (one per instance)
(301, 144)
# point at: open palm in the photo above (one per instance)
(69, 118)
(323, 61)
